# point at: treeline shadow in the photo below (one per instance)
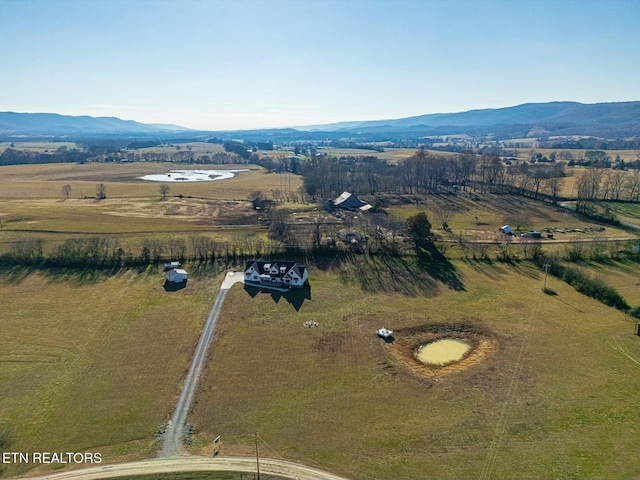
(421, 275)
(75, 275)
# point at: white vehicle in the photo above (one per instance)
(384, 333)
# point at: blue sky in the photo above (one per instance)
(253, 64)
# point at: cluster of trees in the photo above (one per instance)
(11, 156)
(107, 252)
(423, 173)
(600, 183)
(584, 283)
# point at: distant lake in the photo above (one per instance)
(193, 175)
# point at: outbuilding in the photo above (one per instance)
(176, 275)
(172, 265)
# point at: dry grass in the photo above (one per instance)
(480, 216)
(40, 147)
(393, 155)
(197, 148)
(553, 401)
(122, 180)
(93, 363)
(34, 207)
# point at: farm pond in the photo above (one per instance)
(442, 352)
(193, 175)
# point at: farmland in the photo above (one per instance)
(552, 399)
(96, 355)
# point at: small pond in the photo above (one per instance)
(442, 351)
(193, 175)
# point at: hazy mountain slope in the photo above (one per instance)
(560, 114)
(54, 124)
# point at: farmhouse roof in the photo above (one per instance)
(348, 201)
(263, 267)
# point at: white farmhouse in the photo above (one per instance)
(275, 274)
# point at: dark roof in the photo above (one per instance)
(348, 201)
(261, 266)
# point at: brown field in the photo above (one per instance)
(34, 206)
(393, 155)
(40, 147)
(122, 180)
(198, 148)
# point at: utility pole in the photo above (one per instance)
(546, 268)
(257, 459)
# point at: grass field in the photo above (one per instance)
(94, 363)
(393, 155)
(122, 180)
(33, 204)
(481, 216)
(554, 400)
(40, 147)
(91, 361)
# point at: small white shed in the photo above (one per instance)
(176, 275)
(172, 265)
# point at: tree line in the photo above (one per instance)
(426, 173)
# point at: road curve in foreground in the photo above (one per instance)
(193, 464)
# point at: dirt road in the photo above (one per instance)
(194, 464)
(172, 438)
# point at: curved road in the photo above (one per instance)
(172, 438)
(194, 464)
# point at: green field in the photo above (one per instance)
(93, 360)
(554, 400)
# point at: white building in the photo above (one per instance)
(275, 274)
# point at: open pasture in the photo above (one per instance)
(91, 362)
(623, 276)
(554, 399)
(122, 180)
(393, 155)
(39, 147)
(197, 148)
(480, 216)
(34, 205)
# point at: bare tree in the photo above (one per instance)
(519, 219)
(66, 190)
(504, 243)
(164, 190)
(101, 191)
(444, 213)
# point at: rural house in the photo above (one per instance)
(275, 274)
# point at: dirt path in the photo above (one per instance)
(172, 438)
(194, 464)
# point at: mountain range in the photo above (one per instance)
(606, 120)
(12, 123)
